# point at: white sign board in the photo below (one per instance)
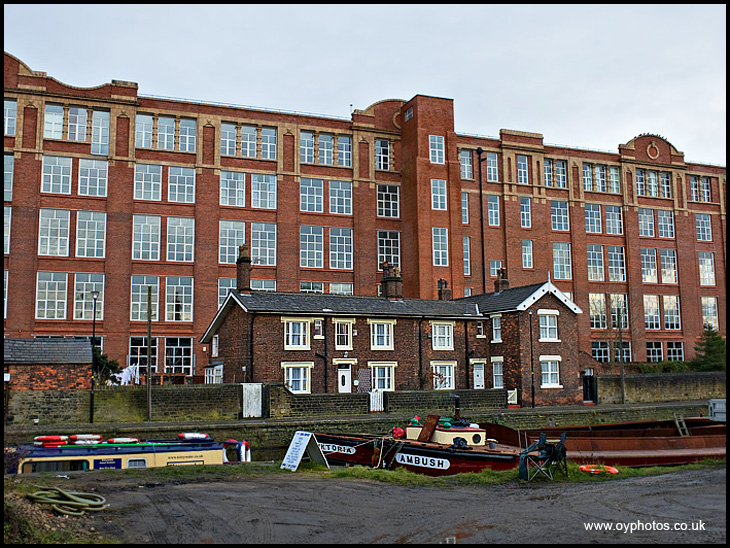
(303, 442)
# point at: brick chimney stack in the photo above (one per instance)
(243, 269)
(444, 291)
(501, 283)
(391, 286)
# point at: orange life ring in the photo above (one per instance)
(598, 469)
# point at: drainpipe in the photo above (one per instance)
(420, 354)
(251, 339)
(467, 353)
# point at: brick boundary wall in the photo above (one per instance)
(663, 387)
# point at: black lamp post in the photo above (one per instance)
(94, 296)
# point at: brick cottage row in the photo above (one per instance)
(523, 338)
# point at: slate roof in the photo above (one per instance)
(41, 351)
(262, 302)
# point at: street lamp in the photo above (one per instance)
(94, 296)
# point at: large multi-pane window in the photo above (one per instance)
(306, 147)
(138, 353)
(166, 133)
(703, 224)
(675, 351)
(388, 201)
(436, 149)
(140, 297)
(593, 218)
(143, 131)
(654, 351)
(616, 263)
(100, 132)
(91, 234)
(77, 124)
(147, 182)
(263, 244)
(179, 299)
(492, 167)
(440, 239)
(8, 172)
(525, 213)
(595, 262)
(665, 223)
(646, 222)
(51, 296)
(296, 334)
(597, 310)
(527, 254)
(438, 194)
(523, 176)
(672, 316)
(700, 189)
(341, 197)
(550, 369)
(559, 215)
(93, 177)
(311, 195)
(179, 355)
(188, 129)
(233, 189)
(341, 248)
(382, 154)
(389, 247)
(669, 266)
(228, 139)
(555, 172)
(344, 151)
(466, 249)
(268, 143)
(651, 312)
(84, 285)
(648, 265)
(225, 286)
(614, 220)
(10, 116)
(248, 141)
(263, 191)
(706, 261)
(146, 237)
(326, 149)
(56, 178)
(181, 185)
(466, 164)
(231, 234)
(561, 261)
(493, 210)
(6, 229)
(311, 246)
(53, 122)
(53, 232)
(180, 239)
(709, 313)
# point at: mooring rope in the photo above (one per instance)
(71, 503)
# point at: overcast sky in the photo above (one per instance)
(588, 76)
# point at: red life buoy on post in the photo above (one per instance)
(598, 469)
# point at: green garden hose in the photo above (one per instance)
(71, 503)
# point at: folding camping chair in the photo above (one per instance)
(543, 458)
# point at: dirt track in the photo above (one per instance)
(306, 509)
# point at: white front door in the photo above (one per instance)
(478, 375)
(344, 378)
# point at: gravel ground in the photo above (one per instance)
(681, 507)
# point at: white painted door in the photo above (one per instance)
(344, 379)
(479, 375)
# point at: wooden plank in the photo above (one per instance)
(428, 427)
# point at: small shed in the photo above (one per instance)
(47, 364)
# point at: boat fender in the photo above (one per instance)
(123, 440)
(399, 433)
(79, 437)
(50, 438)
(193, 436)
(598, 469)
(87, 442)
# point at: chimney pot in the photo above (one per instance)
(243, 268)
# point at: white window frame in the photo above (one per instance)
(443, 373)
(302, 384)
(548, 322)
(382, 376)
(382, 334)
(51, 292)
(91, 234)
(442, 335)
(440, 241)
(436, 149)
(552, 363)
(497, 371)
(176, 288)
(297, 333)
(53, 232)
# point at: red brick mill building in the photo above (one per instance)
(111, 191)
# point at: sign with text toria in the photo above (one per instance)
(423, 462)
(303, 442)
